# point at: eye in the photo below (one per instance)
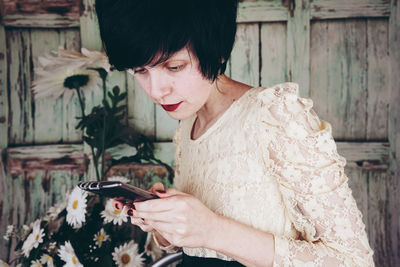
(139, 71)
(176, 68)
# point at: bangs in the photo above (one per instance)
(149, 39)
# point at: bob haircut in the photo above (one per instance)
(137, 33)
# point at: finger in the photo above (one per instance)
(157, 187)
(154, 205)
(141, 224)
(118, 205)
(165, 216)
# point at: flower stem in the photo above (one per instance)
(104, 131)
(78, 90)
(95, 163)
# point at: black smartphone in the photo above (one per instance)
(113, 189)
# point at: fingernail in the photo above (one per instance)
(160, 191)
(130, 212)
(117, 206)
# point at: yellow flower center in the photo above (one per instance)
(36, 237)
(125, 258)
(117, 212)
(101, 238)
(39, 265)
(75, 204)
(74, 260)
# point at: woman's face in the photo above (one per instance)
(177, 85)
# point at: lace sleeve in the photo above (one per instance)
(314, 188)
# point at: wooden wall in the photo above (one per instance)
(344, 54)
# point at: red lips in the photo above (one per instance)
(172, 107)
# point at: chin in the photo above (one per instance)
(179, 116)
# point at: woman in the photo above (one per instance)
(258, 178)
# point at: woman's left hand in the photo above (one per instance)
(180, 218)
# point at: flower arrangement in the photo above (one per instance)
(85, 229)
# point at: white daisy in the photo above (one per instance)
(67, 254)
(101, 237)
(127, 255)
(61, 64)
(3, 264)
(111, 214)
(34, 239)
(9, 232)
(47, 259)
(76, 208)
(36, 263)
(121, 179)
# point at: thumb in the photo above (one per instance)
(168, 193)
(156, 187)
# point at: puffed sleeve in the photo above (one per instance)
(302, 153)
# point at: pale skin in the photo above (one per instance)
(178, 218)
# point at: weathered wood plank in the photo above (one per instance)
(245, 55)
(378, 89)
(319, 71)
(3, 91)
(48, 123)
(90, 32)
(261, 11)
(298, 46)
(327, 9)
(40, 21)
(36, 13)
(273, 53)
(20, 95)
(377, 217)
(368, 155)
(29, 159)
(346, 81)
(70, 39)
(358, 183)
(394, 129)
(141, 110)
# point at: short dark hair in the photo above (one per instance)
(137, 33)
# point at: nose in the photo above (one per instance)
(159, 86)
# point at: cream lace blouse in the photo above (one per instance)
(270, 163)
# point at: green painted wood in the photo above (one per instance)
(378, 89)
(378, 214)
(394, 130)
(20, 95)
(89, 25)
(48, 113)
(3, 91)
(141, 110)
(345, 58)
(319, 68)
(273, 53)
(358, 183)
(298, 46)
(261, 11)
(328, 9)
(245, 54)
(40, 21)
(70, 40)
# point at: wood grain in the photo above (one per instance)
(327, 9)
(245, 55)
(273, 53)
(298, 46)
(3, 91)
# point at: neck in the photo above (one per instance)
(224, 92)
